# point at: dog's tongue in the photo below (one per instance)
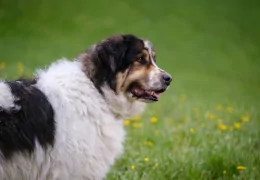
(141, 92)
(156, 95)
(138, 91)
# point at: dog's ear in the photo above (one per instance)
(111, 52)
(103, 60)
(108, 58)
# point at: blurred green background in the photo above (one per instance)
(211, 48)
(205, 39)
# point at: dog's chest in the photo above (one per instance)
(88, 138)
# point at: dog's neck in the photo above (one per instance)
(88, 66)
(120, 105)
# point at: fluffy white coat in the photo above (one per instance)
(89, 128)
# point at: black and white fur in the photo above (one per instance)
(66, 124)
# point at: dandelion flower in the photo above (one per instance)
(219, 107)
(150, 143)
(126, 122)
(237, 125)
(241, 168)
(222, 127)
(133, 167)
(2, 65)
(192, 131)
(146, 159)
(229, 110)
(20, 68)
(153, 120)
(211, 116)
(137, 125)
(136, 118)
(244, 118)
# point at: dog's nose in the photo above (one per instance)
(167, 79)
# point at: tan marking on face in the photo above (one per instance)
(120, 79)
(147, 75)
(137, 72)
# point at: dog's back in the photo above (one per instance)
(26, 121)
(58, 128)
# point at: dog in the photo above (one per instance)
(67, 122)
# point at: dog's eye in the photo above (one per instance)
(141, 60)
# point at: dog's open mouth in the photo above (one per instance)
(148, 95)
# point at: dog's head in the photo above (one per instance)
(127, 65)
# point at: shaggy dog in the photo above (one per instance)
(67, 122)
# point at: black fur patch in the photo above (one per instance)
(113, 55)
(32, 119)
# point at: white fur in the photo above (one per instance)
(89, 128)
(154, 75)
(6, 97)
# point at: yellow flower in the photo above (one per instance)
(133, 167)
(137, 125)
(126, 122)
(229, 110)
(241, 168)
(224, 172)
(153, 120)
(2, 65)
(146, 159)
(237, 125)
(244, 118)
(222, 127)
(192, 131)
(219, 107)
(149, 143)
(20, 68)
(211, 116)
(136, 118)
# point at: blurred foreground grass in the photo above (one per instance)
(207, 125)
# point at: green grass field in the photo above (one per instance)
(207, 125)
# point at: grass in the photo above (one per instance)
(207, 125)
